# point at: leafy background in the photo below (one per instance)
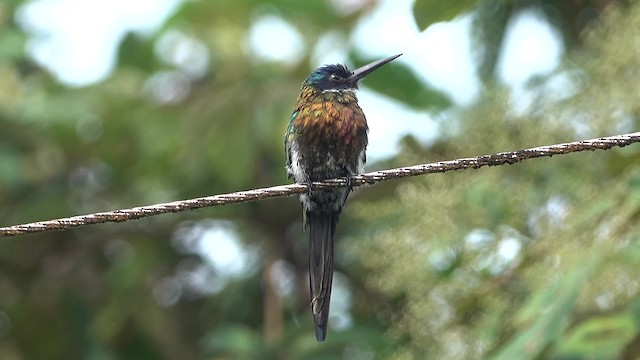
(422, 264)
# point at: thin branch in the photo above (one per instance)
(503, 158)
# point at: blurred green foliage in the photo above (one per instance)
(427, 12)
(445, 257)
(537, 260)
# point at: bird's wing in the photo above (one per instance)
(288, 139)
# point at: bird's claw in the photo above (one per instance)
(350, 182)
(309, 184)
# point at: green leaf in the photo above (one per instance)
(427, 12)
(598, 338)
(12, 44)
(137, 52)
(551, 310)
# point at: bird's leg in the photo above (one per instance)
(349, 182)
(349, 177)
(309, 184)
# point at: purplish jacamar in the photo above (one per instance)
(326, 138)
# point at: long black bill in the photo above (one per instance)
(361, 72)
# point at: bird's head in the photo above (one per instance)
(338, 77)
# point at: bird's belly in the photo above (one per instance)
(308, 166)
(326, 201)
(320, 162)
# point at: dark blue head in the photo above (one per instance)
(331, 77)
(339, 77)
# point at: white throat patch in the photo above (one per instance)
(339, 91)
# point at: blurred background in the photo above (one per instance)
(114, 104)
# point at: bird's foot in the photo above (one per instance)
(350, 182)
(309, 184)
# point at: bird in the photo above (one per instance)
(326, 138)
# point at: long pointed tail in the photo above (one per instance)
(322, 230)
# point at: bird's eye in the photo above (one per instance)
(335, 77)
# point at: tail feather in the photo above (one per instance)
(322, 230)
